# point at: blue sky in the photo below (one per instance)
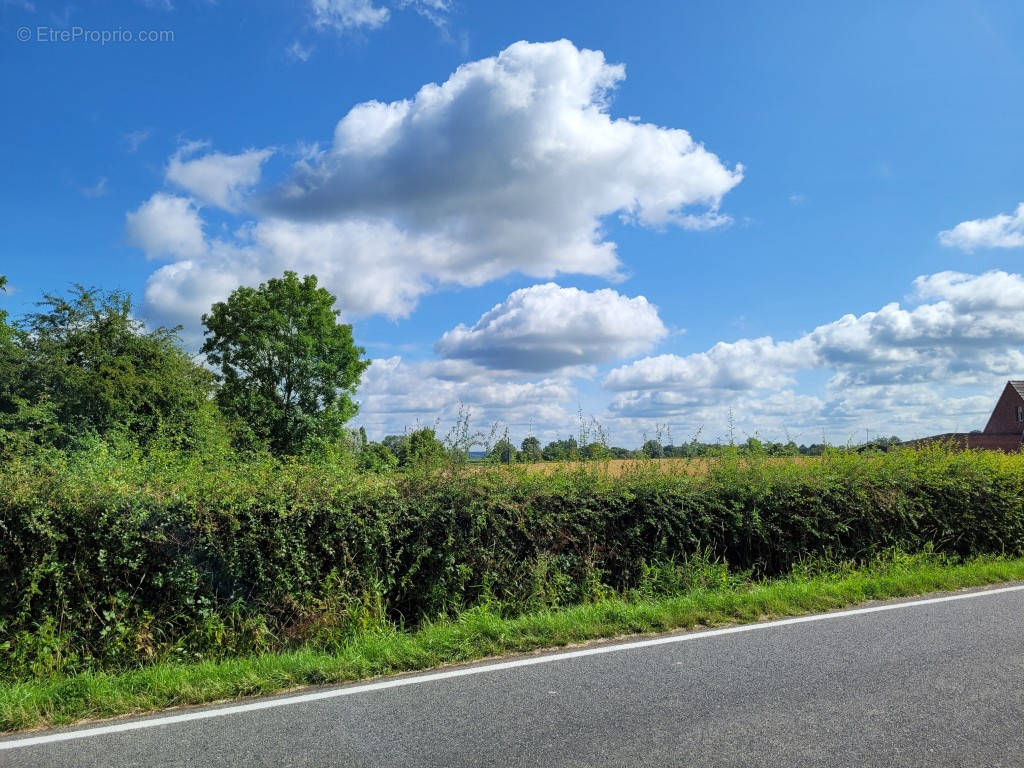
(654, 212)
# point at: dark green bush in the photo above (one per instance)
(111, 559)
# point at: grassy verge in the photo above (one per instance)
(482, 632)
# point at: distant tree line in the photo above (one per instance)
(280, 375)
(422, 446)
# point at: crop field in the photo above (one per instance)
(621, 467)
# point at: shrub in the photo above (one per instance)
(111, 558)
(85, 364)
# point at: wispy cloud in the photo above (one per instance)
(25, 5)
(344, 15)
(99, 189)
(135, 139)
(299, 52)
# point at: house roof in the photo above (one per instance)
(977, 441)
(1017, 385)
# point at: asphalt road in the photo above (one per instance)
(940, 684)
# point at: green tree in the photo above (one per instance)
(529, 450)
(503, 452)
(754, 446)
(288, 368)
(21, 424)
(84, 363)
(652, 449)
(561, 450)
(595, 450)
(424, 449)
(6, 331)
(398, 445)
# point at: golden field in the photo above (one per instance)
(619, 467)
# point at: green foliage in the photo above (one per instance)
(689, 595)
(288, 368)
(425, 450)
(398, 445)
(377, 458)
(3, 313)
(530, 450)
(419, 449)
(503, 452)
(596, 452)
(652, 450)
(114, 557)
(84, 365)
(561, 450)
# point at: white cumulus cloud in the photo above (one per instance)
(745, 364)
(917, 368)
(167, 226)
(1006, 230)
(396, 395)
(547, 327)
(216, 178)
(509, 166)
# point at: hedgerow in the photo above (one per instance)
(110, 559)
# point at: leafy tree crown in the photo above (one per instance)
(288, 368)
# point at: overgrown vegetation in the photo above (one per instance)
(155, 516)
(114, 557)
(83, 364)
(704, 594)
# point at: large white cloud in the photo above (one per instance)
(216, 178)
(1006, 230)
(516, 154)
(547, 327)
(509, 166)
(975, 320)
(928, 368)
(345, 256)
(167, 226)
(396, 395)
(741, 365)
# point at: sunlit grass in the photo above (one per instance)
(482, 632)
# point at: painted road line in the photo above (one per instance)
(352, 690)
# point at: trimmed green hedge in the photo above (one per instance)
(110, 561)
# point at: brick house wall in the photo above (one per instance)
(1008, 415)
(976, 441)
(1004, 431)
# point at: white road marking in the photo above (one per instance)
(352, 690)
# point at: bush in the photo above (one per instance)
(377, 458)
(84, 364)
(111, 558)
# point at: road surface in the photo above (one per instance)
(925, 683)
